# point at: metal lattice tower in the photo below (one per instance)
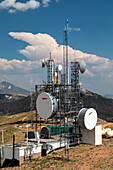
(65, 54)
(76, 101)
(50, 70)
(63, 124)
(75, 90)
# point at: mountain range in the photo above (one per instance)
(8, 88)
(13, 103)
(109, 96)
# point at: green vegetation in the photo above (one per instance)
(81, 156)
(10, 126)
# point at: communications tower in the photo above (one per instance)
(65, 54)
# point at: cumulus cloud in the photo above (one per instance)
(74, 29)
(110, 75)
(17, 66)
(13, 5)
(89, 73)
(106, 64)
(40, 45)
(22, 80)
(20, 73)
(46, 3)
(12, 11)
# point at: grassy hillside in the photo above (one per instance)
(80, 157)
(15, 104)
(103, 105)
(10, 126)
(18, 104)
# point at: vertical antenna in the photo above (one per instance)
(65, 54)
(66, 81)
(31, 101)
(50, 55)
(35, 108)
(64, 60)
(50, 70)
(67, 76)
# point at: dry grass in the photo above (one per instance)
(10, 126)
(81, 157)
(106, 124)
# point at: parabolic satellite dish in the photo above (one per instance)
(46, 105)
(82, 92)
(82, 65)
(59, 68)
(43, 63)
(87, 118)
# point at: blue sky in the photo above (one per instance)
(30, 29)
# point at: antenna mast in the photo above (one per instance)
(65, 54)
(50, 70)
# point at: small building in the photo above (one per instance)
(22, 151)
(94, 136)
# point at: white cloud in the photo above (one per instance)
(91, 58)
(13, 6)
(110, 75)
(40, 45)
(7, 3)
(17, 66)
(12, 11)
(74, 29)
(4, 65)
(19, 72)
(22, 80)
(46, 3)
(89, 73)
(105, 65)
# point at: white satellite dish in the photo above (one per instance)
(82, 92)
(87, 118)
(43, 63)
(46, 105)
(82, 65)
(59, 68)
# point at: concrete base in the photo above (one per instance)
(22, 152)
